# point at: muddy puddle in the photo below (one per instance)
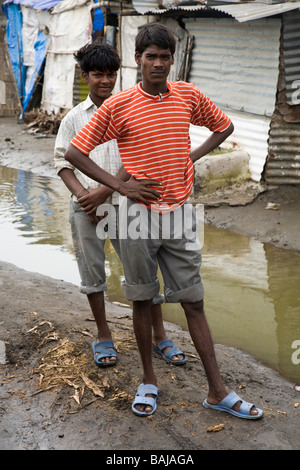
(252, 295)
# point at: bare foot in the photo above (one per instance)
(235, 407)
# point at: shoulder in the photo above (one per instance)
(189, 86)
(185, 89)
(120, 97)
(77, 117)
(72, 114)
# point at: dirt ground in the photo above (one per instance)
(53, 397)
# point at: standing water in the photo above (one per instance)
(252, 290)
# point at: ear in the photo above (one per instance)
(85, 77)
(137, 57)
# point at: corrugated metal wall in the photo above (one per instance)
(80, 89)
(291, 53)
(283, 164)
(236, 65)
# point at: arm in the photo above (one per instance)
(213, 141)
(72, 183)
(75, 187)
(93, 198)
(134, 189)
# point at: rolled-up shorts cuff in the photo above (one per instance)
(141, 291)
(190, 294)
(93, 289)
(158, 299)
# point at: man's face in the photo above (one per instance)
(100, 84)
(155, 65)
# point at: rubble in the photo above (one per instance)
(38, 121)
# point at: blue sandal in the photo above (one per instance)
(141, 399)
(100, 350)
(169, 354)
(229, 401)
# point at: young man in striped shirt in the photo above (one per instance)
(99, 64)
(151, 125)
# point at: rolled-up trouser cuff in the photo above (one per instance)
(158, 299)
(93, 289)
(190, 294)
(141, 291)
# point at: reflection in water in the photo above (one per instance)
(34, 229)
(252, 295)
(284, 290)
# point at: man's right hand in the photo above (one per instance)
(140, 190)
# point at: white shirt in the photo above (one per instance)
(106, 155)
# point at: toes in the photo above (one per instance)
(253, 410)
(174, 358)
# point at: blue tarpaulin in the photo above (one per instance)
(15, 48)
(98, 23)
(40, 48)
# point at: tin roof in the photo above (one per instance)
(240, 11)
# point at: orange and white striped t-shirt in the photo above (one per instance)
(153, 135)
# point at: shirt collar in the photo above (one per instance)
(88, 103)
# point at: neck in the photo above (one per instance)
(154, 90)
(97, 101)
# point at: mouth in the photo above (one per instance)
(104, 89)
(158, 72)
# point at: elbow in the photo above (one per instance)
(70, 154)
(230, 129)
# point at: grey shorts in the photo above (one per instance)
(89, 250)
(164, 241)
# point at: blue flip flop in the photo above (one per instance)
(100, 350)
(169, 354)
(229, 401)
(141, 399)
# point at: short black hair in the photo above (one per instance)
(97, 56)
(155, 34)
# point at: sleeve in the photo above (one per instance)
(98, 130)
(62, 141)
(207, 114)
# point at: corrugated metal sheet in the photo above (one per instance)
(144, 6)
(253, 11)
(241, 12)
(80, 89)
(291, 53)
(236, 65)
(283, 163)
(283, 166)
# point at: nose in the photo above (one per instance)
(158, 62)
(104, 77)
